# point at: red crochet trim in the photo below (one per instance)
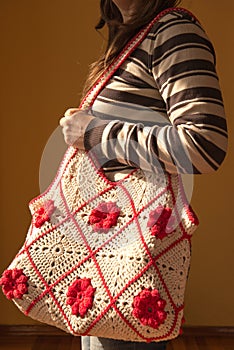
(43, 214)
(49, 288)
(14, 283)
(104, 216)
(192, 216)
(80, 296)
(148, 307)
(125, 53)
(182, 322)
(159, 221)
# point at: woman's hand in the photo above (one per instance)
(74, 124)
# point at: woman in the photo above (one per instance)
(171, 74)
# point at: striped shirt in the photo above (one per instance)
(163, 109)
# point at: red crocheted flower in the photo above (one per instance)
(43, 214)
(80, 296)
(104, 216)
(159, 221)
(148, 307)
(14, 283)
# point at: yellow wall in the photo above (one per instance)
(45, 50)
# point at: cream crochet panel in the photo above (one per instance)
(120, 262)
(118, 273)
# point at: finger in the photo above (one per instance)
(62, 121)
(70, 111)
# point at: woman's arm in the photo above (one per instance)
(183, 66)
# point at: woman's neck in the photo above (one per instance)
(127, 8)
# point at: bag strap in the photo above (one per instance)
(92, 94)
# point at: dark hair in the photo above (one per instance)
(120, 33)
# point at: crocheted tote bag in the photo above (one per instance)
(105, 258)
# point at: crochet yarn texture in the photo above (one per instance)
(105, 258)
(124, 278)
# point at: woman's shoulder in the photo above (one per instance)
(174, 25)
(176, 13)
(176, 19)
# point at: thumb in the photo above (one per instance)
(71, 111)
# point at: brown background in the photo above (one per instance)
(46, 47)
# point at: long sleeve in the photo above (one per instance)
(194, 140)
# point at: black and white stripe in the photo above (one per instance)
(163, 109)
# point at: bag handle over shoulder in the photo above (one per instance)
(124, 54)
